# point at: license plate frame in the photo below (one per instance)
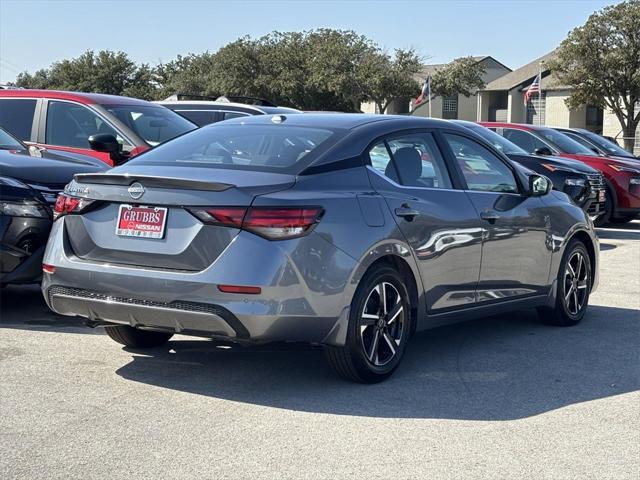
(133, 230)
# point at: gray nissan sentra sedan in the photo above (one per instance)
(348, 231)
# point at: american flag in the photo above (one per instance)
(426, 87)
(533, 88)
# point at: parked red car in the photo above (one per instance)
(64, 121)
(622, 175)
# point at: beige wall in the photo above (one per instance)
(611, 127)
(516, 112)
(467, 108)
(557, 113)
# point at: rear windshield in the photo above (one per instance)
(154, 124)
(563, 143)
(274, 148)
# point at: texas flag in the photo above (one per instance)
(425, 93)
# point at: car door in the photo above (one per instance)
(68, 126)
(438, 220)
(516, 247)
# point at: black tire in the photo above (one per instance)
(606, 216)
(352, 361)
(133, 337)
(572, 296)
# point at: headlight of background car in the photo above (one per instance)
(574, 182)
(634, 181)
(620, 168)
(23, 210)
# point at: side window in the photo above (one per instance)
(228, 115)
(482, 170)
(523, 139)
(16, 116)
(415, 161)
(199, 117)
(71, 125)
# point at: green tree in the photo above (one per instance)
(601, 62)
(463, 76)
(103, 72)
(386, 79)
(186, 74)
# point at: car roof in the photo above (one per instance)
(80, 97)
(518, 126)
(256, 108)
(341, 120)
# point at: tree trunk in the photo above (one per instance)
(629, 133)
(381, 108)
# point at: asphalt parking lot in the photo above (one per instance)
(502, 397)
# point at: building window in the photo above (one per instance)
(536, 107)
(450, 107)
(594, 117)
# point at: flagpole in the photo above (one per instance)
(429, 78)
(540, 94)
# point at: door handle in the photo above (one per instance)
(406, 212)
(489, 215)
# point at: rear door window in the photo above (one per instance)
(524, 140)
(16, 116)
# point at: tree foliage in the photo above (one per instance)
(601, 62)
(104, 72)
(463, 76)
(320, 69)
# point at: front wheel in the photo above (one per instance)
(574, 287)
(379, 328)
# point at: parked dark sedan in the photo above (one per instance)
(30, 180)
(585, 185)
(347, 231)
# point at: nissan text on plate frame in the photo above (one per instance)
(348, 231)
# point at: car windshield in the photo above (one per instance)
(7, 142)
(498, 141)
(608, 146)
(272, 148)
(563, 143)
(154, 124)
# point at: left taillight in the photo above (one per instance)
(66, 204)
(273, 223)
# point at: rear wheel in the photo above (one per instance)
(133, 337)
(574, 287)
(379, 327)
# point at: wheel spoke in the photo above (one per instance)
(373, 352)
(391, 342)
(579, 267)
(571, 271)
(397, 310)
(575, 300)
(384, 298)
(582, 285)
(568, 295)
(368, 319)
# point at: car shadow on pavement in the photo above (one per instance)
(498, 368)
(22, 307)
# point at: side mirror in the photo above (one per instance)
(545, 151)
(107, 143)
(539, 185)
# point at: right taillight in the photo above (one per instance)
(274, 223)
(66, 204)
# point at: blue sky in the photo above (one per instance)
(34, 34)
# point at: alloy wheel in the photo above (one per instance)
(576, 283)
(382, 324)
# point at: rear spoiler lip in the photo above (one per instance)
(150, 181)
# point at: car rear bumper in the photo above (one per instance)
(295, 303)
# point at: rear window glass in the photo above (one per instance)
(277, 148)
(16, 116)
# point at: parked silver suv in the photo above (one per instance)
(349, 231)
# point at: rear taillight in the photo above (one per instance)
(274, 223)
(66, 204)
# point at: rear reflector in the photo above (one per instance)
(274, 223)
(239, 289)
(46, 268)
